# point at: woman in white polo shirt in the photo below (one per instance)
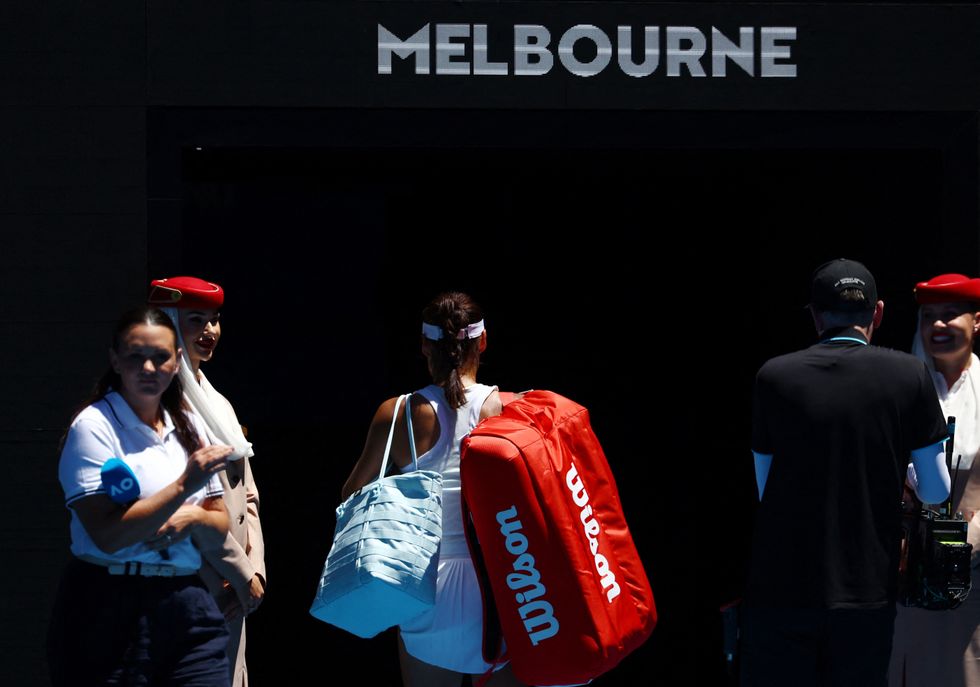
(131, 608)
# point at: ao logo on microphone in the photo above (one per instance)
(120, 481)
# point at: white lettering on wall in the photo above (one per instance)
(688, 51)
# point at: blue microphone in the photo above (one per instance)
(120, 481)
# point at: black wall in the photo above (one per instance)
(638, 247)
(73, 218)
(645, 274)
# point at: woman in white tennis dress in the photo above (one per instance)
(444, 644)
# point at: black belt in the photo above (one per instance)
(139, 568)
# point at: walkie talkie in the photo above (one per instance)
(939, 556)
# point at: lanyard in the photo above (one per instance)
(845, 338)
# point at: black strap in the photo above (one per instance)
(492, 634)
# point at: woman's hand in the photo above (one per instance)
(252, 595)
(203, 464)
(244, 601)
(179, 526)
(212, 529)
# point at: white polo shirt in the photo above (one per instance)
(110, 429)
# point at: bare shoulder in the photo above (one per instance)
(424, 419)
(493, 405)
(372, 455)
(385, 411)
(381, 420)
(421, 408)
(511, 396)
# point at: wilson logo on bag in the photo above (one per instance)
(526, 581)
(560, 572)
(592, 532)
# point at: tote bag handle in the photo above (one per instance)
(391, 434)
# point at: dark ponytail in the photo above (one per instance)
(172, 399)
(451, 312)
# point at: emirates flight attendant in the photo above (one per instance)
(235, 574)
(943, 647)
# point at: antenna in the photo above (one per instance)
(952, 485)
(951, 424)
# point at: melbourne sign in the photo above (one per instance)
(585, 50)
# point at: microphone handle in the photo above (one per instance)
(951, 425)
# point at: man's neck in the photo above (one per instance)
(849, 331)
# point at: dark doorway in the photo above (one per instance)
(642, 264)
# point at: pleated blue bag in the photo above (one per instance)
(381, 569)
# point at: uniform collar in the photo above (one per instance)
(843, 335)
(128, 419)
(939, 381)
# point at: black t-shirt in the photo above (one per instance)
(841, 419)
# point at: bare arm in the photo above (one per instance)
(206, 524)
(426, 432)
(368, 466)
(113, 526)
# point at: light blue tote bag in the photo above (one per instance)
(381, 569)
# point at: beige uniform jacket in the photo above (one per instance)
(243, 554)
(241, 557)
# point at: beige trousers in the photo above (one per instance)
(236, 653)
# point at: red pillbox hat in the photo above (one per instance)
(186, 293)
(948, 288)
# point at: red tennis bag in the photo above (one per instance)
(571, 596)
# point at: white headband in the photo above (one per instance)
(470, 331)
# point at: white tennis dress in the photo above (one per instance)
(450, 635)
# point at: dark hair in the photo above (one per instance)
(173, 397)
(855, 311)
(451, 311)
(855, 298)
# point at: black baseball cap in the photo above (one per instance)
(832, 278)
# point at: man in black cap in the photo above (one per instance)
(834, 428)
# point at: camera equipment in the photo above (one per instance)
(938, 574)
(934, 572)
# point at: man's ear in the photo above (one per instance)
(879, 312)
